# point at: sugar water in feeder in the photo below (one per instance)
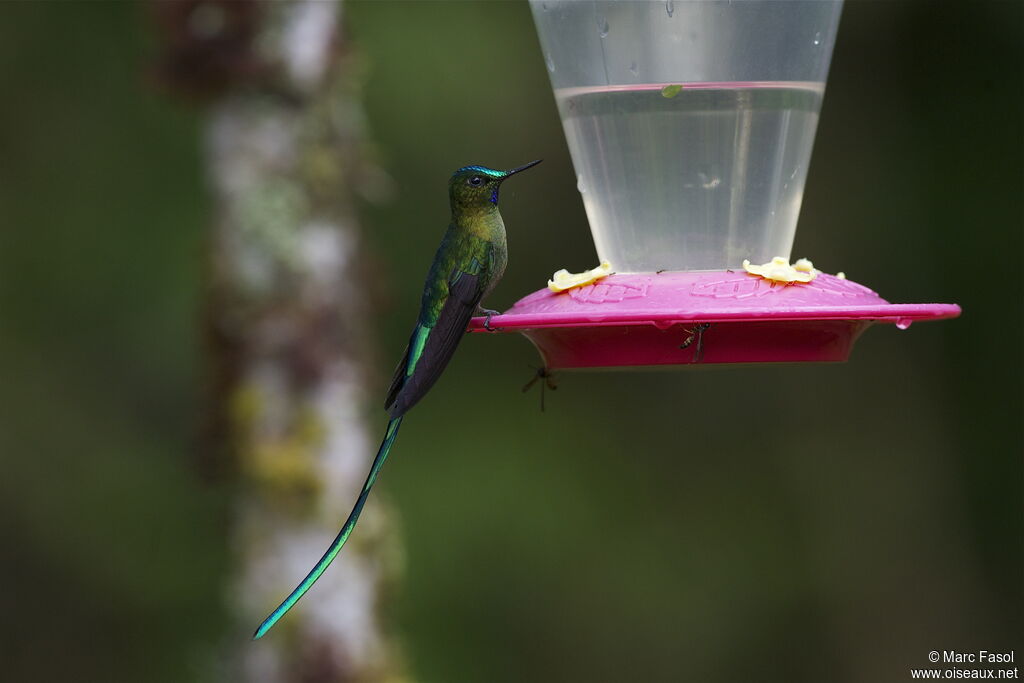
(690, 124)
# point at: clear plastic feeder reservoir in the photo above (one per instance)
(690, 124)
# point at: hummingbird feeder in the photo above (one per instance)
(690, 126)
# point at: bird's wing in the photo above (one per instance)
(431, 347)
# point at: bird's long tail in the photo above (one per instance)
(350, 523)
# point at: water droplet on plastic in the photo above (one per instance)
(708, 183)
(633, 69)
(602, 27)
(670, 8)
(903, 323)
(817, 38)
(550, 62)
(580, 185)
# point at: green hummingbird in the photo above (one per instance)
(467, 266)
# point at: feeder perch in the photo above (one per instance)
(690, 126)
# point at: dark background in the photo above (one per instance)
(788, 523)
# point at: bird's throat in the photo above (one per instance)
(482, 221)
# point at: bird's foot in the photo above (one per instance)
(489, 313)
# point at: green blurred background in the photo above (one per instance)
(791, 523)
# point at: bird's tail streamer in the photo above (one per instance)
(339, 541)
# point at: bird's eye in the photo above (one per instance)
(476, 181)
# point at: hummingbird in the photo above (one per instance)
(467, 266)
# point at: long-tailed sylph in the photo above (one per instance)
(467, 266)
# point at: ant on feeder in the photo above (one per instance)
(697, 332)
(542, 373)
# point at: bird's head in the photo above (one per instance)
(477, 186)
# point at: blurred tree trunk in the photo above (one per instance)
(287, 325)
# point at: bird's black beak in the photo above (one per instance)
(522, 168)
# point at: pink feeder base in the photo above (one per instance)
(657, 319)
